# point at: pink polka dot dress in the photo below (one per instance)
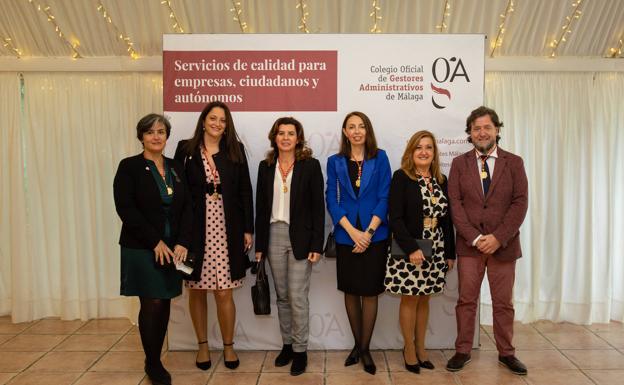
(215, 273)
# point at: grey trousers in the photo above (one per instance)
(292, 284)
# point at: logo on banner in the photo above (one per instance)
(446, 71)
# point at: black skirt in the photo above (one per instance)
(362, 273)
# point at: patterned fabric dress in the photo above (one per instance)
(406, 278)
(215, 273)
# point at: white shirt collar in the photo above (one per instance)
(494, 153)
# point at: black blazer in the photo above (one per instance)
(307, 207)
(237, 203)
(138, 203)
(406, 215)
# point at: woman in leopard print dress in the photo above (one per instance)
(419, 209)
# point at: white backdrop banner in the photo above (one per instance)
(404, 83)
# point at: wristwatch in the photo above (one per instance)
(371, 231)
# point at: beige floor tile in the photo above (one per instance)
(596, 359)
(486, 342)
(610, 327)
(134, 329)
(557, 327)
(128, 343)
(606, 377)
(518, 327)
(17, 361)
(437, 377)
(234, 379)
(335, 362)
(55, 326)
(576, 340)
(66, 361)
(5, 377)
(316, 363)
(613, 338)
(119, 378)
(557, 377)
(483, 360)
(396, 363)
(357, 379)
(185, 361)
(88, 343)
(531, 341)
(120, 362)
(5, 337)
(106, 326)
(492, 377)
(250, 362)
(544, 359)
(38, 378)
(8, 327)
(185, 378)
(32, 343)
(287, 379)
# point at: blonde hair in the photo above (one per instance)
(407, 161)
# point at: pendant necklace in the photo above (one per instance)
(429, 184)
(360, 164)
(215, 175)
(285, 175)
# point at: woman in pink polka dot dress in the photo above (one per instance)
(218, 177)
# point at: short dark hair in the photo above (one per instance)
(479, 112)
(370, 143)
(148, 122)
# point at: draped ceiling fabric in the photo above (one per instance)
(63, 133)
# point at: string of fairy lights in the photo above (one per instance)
(498, 42)
(303, 13)
(567, 27)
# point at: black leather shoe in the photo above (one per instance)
(230, 364)
(285, 356)
(367, 361)
(299, 363)
(426, 364)
(457, 362)
(157, 374)
(353, 357)
(513, 364)
(203, 365)
(414, 368)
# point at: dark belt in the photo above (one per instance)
(210, 188)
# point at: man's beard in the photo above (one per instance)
(485, 149)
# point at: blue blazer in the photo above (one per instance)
(372, 199)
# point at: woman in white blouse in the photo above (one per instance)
(290, 220)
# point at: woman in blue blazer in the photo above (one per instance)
(358, 185)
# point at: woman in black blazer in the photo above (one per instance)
(290, 219)
(218, 177)
(419, 209)
(154, 205)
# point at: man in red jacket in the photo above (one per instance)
(488, 191)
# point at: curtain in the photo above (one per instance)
(76, 129)
(567, 128)
(61, 145)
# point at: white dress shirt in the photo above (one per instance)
(280, 210)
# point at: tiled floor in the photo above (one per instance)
(109, 352)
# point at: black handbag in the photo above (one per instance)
(330, 246)
(425, 245)
(260, 293)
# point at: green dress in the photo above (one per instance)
(140, 274)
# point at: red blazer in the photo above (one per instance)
(500, 213)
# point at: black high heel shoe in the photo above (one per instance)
(353, 357)
(230, 364)
(414, 368)
(204, 365)
(426, 364)
(367, 361)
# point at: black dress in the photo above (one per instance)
(361, 273)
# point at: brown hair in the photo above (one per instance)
(479, 112)
(302, 151)
(407, 161)
(232, 142)
(370, 144)
(146, 123)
